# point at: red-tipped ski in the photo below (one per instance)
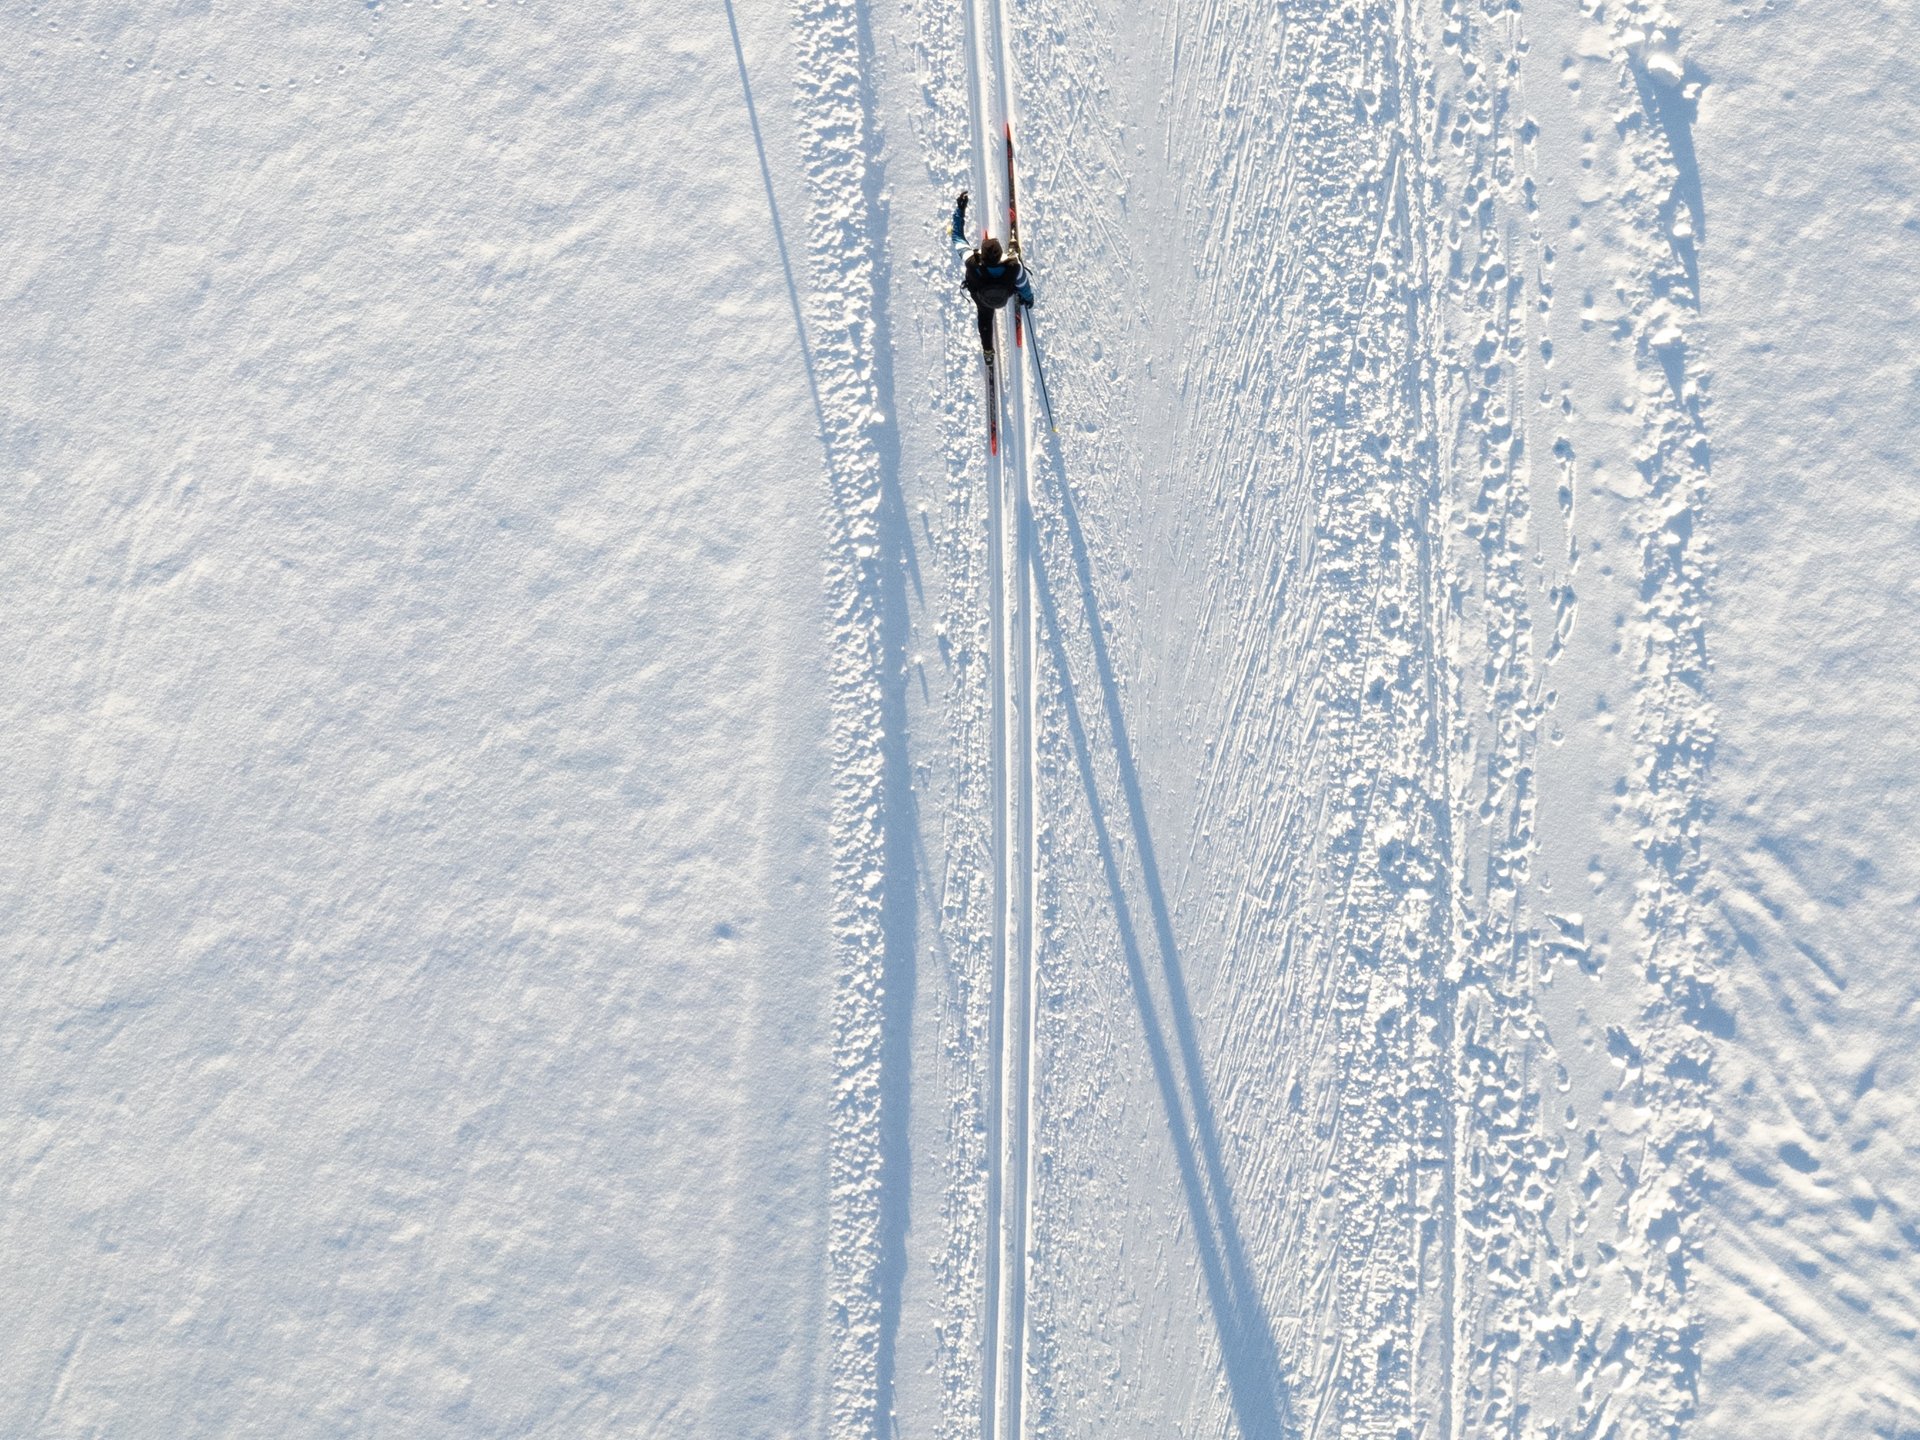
(1013, 227)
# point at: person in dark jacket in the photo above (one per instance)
(992, 277)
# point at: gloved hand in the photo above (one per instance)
(960, 203)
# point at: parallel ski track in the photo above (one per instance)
(1010, 537)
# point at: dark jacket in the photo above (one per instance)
(993, 285)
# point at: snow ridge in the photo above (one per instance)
(1577, 1216)
(837, 131)
(1665, 1079)
(1375, 568)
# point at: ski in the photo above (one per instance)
(1019, 310)
(993, 410)
(993, 398)
(1013, 227)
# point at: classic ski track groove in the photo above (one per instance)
(992, 1276)
(1010, 1058)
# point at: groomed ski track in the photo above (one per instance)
(1235, 738)
(1010, 584)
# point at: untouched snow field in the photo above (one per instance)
(587, 862)
(416, 733)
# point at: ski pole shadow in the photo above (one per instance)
(1258, 1393)
(779, 231)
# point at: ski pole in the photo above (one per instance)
(1033, 334)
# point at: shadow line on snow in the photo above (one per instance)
(779, 233)
(885, 580)
(1260, 1402)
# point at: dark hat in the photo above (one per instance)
(990, 250)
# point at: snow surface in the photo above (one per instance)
(587, 862)
(416, 732)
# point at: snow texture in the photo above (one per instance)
(588, 862)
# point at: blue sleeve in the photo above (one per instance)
(1026, 287)
(959, 224)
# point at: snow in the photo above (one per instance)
(400, 1035)
(1811, 1303)
(586, 862)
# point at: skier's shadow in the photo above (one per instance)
(1258, 1393)
(886, 582)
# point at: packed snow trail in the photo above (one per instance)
(1010, 526)
(1335, 1051)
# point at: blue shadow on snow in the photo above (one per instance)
(884, 581)
(1256, 1388)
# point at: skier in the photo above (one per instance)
(992, 277)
